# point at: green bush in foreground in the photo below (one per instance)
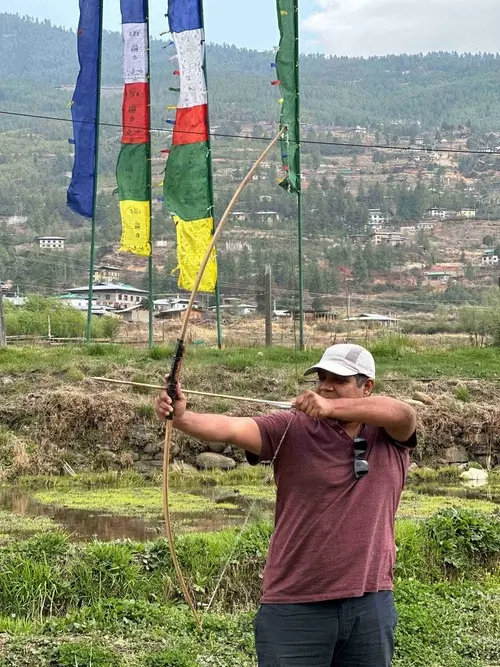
(84, 654)
(461, 539)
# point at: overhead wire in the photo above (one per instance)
(317, 142)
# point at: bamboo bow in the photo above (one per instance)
(176, 370)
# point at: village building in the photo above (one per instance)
(106, 274)
(376, 217)
(80, 302)
(489, 258)
(268, 216)
(439, 276)
(467, 213)
(373, 319)
(439, 213)
(114, 295)
(137, 314)
(174, 307)
(240, 216)
(388, 238)
(51, 242)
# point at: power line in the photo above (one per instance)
(344, 144)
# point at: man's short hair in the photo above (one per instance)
(361, 379)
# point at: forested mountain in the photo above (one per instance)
(433, 89)
(403, 100)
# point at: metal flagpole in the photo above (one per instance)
(299, 175)
(211, 187)
(96, 177)
(150, 189)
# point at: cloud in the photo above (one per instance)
(376, 27)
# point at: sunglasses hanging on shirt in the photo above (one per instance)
(361, 465)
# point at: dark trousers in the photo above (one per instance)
(354, 632)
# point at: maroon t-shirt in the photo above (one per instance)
(333, 535)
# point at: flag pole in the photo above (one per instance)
(96, 178)
(299, 175)
(150, 189)
(211, 185)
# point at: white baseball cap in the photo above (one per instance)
(346, 360)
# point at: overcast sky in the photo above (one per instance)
(340, 27)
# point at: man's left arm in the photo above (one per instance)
(398, 419)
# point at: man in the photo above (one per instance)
(340, 461)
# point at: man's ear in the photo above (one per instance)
(368, 387)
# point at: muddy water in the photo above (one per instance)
(84, 525)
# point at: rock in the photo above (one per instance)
(153, 448)
(413, 466)
(474, 474)
(456, 454)
(410, 401)
(423, 398)
(209, 460)
(216, 447)
(140, 437)
(6, 381)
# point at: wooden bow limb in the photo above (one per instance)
(283, 405)
(175, 370)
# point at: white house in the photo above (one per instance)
(80, 302)
(425, 226)
(376, 217)
(268, 216)
(51, 242)
(372, 318)
(241, 216)
(114, 295)
(440, 213)
(172, 305)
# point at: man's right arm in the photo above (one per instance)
(241, 432)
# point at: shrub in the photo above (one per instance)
(171, 658)
(83, 654)
(462, 540)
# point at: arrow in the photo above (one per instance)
(283, 405)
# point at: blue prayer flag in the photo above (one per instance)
(84, 109)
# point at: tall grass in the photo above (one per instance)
(45, 575)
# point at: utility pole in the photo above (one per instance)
(3, 337)
(268, 278)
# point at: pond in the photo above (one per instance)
(86, 524)
(136, 513)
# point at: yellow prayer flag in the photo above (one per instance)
(193, 238)
(136, 221)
